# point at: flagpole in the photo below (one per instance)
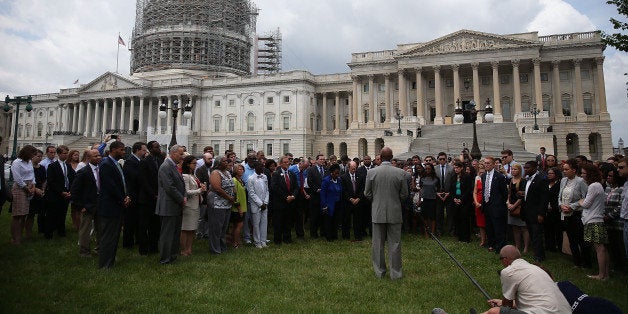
(118, 54)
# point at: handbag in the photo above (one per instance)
(515, 212)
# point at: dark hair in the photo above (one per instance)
(49, 147)
(593, 173)
(617, 179)
(269, 162)
(185, 166)
(150, 144)
(431, 166)
(442, 154)
(532, 163)
(557, 173)
(62, 148)
(572, 163)
(27, 152)
(137, 146)
(507, 152)
(334, 167)
(115, 145)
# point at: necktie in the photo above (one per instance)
(97, 178)
(320, 169)
(487, 187)
(287, 180)
(66, 182)
(543, 161)
(442, 176)
(353, 182)
(301, 182)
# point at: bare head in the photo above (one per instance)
(508, 254)
(386, 154)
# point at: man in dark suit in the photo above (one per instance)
(354, 199)
(314, 179)
(541, 160)
(131, 171)
(59, 176)
(444, 172)
(84, 193)
(170, 201)
(284, 189)
(535, 206)
(3, 189)
(494, 205)
(367, 165)
(112, 200)
(202, 174)
(148, 233)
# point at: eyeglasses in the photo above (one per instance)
(504, 157)
(621, 167)
(442, 158)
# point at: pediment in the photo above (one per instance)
(466, 41)
(109, 81)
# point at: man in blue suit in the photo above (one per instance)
(112, 200)
(494, 205)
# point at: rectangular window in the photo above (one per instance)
(249, 147)
(523, 78)
(486, 80)
(585, 74)
(269, 100)
(286, 148)
(52, 113)
(365, 88)
(544, 77)
(588, 106)
(270, 120)
(269, 149)
(504, 79)
(381, 87)
(286, 123)
(216, 124)
(286, 99)
(229, 145)
(217, 103)
(231, 102)
(564, 76)
(431, 84)
(231, 124)
(414, 85)
(449, 83)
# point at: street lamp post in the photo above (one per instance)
(535, 111)
(398, 116)
(175, 112)
(470, 109)
(17, 101)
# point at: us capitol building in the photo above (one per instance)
(207, 56)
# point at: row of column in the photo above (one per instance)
(336, 106)
(405, 106)
(91, 117)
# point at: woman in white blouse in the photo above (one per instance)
(22, 191)
(593, 218)
(193, 189)
(572, 190)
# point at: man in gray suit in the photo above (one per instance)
(170, 201)
(444, 173)
(386, 186)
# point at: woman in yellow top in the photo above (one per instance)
(239, 207)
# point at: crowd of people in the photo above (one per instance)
(163, 201)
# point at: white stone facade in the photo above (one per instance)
(352, 113)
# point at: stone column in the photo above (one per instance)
(169, 115)
(196, 106)
(12, 128)
(159, 103)
(350, 108)
(578, 92)
(497, 108)
(104, 116)
(336, 112)
(558, 108)
(389, 111)
(131, 113)
(354, 105)
(455, 68)
(476, 90)
(538, 95)
(601, 89)
(122, 111)
(180, 115)
(140, 127)
(420, 105)
(81, 122)
(373, 106)
(438, 93)
(149, 118)
(75, 115)
(88, 119)
(114, 105)
(517, 86)
(324, 116)
(403, 102)
(97, 118)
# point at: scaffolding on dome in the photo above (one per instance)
(269, 53)
(209, 35)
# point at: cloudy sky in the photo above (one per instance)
(47, 45)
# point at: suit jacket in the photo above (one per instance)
(314, 181)
(55, 181)
(362, 170)
(192, 190)
(202, 174)
(387, 187)
(258, 193)
(171, 190)
(111, 196)
(579, 192)
(131, 171)
(496, 206)
(4, 190)
(466, 187)
(279, 190)
(537, 197)
(446, 182)
(331, 194)
(539, 160)
(348, 191)
(147, 180)
(84, 190)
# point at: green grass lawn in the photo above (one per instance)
(306, 276)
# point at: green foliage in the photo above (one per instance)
(306, 276)
(618, 40)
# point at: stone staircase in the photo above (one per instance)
(492, 139)
(85, 142)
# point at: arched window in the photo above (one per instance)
(250, 122)
(587, 103)
(566, 104)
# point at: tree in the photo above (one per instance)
(618, 40)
